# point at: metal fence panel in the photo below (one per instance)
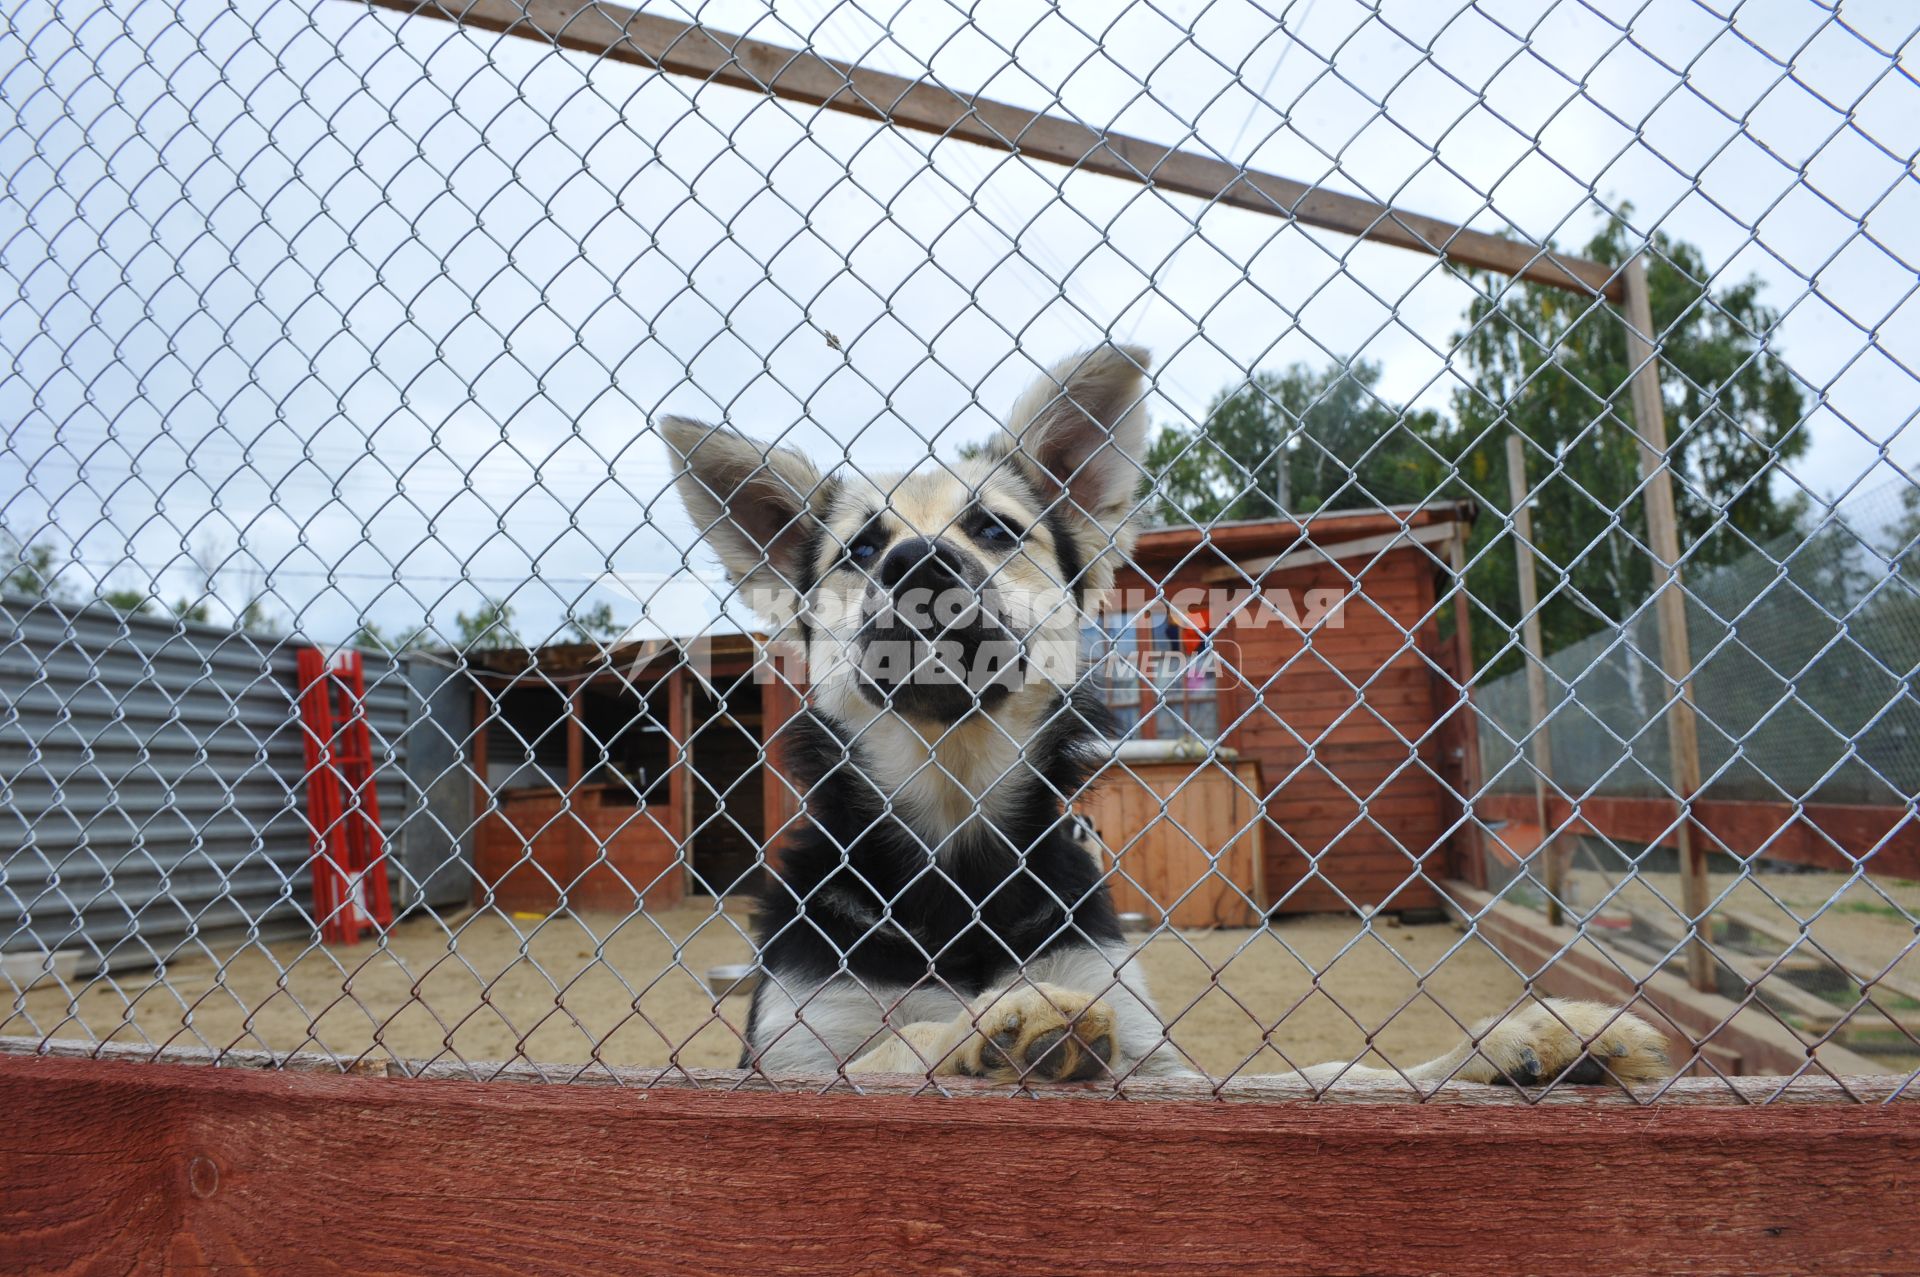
(155, 798)
(1445, 471)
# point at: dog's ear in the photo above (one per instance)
(759, 506)
(1078, 436)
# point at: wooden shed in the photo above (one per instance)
(607, 778)
(1292, 745)
(1308, 654)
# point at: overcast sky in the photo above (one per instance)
(354, 296)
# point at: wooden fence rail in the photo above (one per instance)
(109, 1166)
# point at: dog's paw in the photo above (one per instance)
(1573, 1043)
(1038, 1033)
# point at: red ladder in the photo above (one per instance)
(350, 892)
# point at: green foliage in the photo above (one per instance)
(374, 639)
(490, 626)
(1554, 366)
(258, 617)
(31, 570)
(594, 624)
(1295, 442)
(129, 602)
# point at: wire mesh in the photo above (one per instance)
(612, 408)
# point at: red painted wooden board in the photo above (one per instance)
(1814, 834)
(120, 1167)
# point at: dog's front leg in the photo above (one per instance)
(926, 1047)
(1031, 1032)
(1577, 1043)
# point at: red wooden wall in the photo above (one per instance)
(604, 857)
(1341, 720)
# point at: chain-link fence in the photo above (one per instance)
(1066, 544)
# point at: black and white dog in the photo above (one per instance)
(936, 914)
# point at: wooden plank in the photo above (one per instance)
(1168, 855)
(118, 1167)
(622, 35)
(1171, 545)
(1259, 570)
(1246, 805)
(1744, 974)
(1801, 941)
(1569, 963)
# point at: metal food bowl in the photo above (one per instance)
(733, 978)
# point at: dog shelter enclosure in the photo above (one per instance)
(1518, 603)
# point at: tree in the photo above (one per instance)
(1554, 366)
(594, 624)
(1294, 442)
(131, 602)
(375, 639)
(31, 570)
(491, 625)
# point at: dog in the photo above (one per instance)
(935, 913)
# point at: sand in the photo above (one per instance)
(1871, 927)
(628, 991)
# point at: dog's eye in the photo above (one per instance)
(865, 547)
(991, 529)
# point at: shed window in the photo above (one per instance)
(1184, 670)
(1110, 648)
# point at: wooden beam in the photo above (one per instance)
(125, 1167)
(1311, 553)
(1670, 604)
(717, 57)
(1791, 938)
(1246, 1088)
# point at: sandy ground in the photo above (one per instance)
(627, 990)
(1871, 928)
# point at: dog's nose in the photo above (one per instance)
(921, 563)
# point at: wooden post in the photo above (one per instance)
(680, 764)
(778, 704)
(574, 800)
(482, 792)
(1676, 653)
(1471, 844)
(1540, 740)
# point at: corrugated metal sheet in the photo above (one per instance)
(152, 782)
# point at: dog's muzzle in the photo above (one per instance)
(931, 640)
